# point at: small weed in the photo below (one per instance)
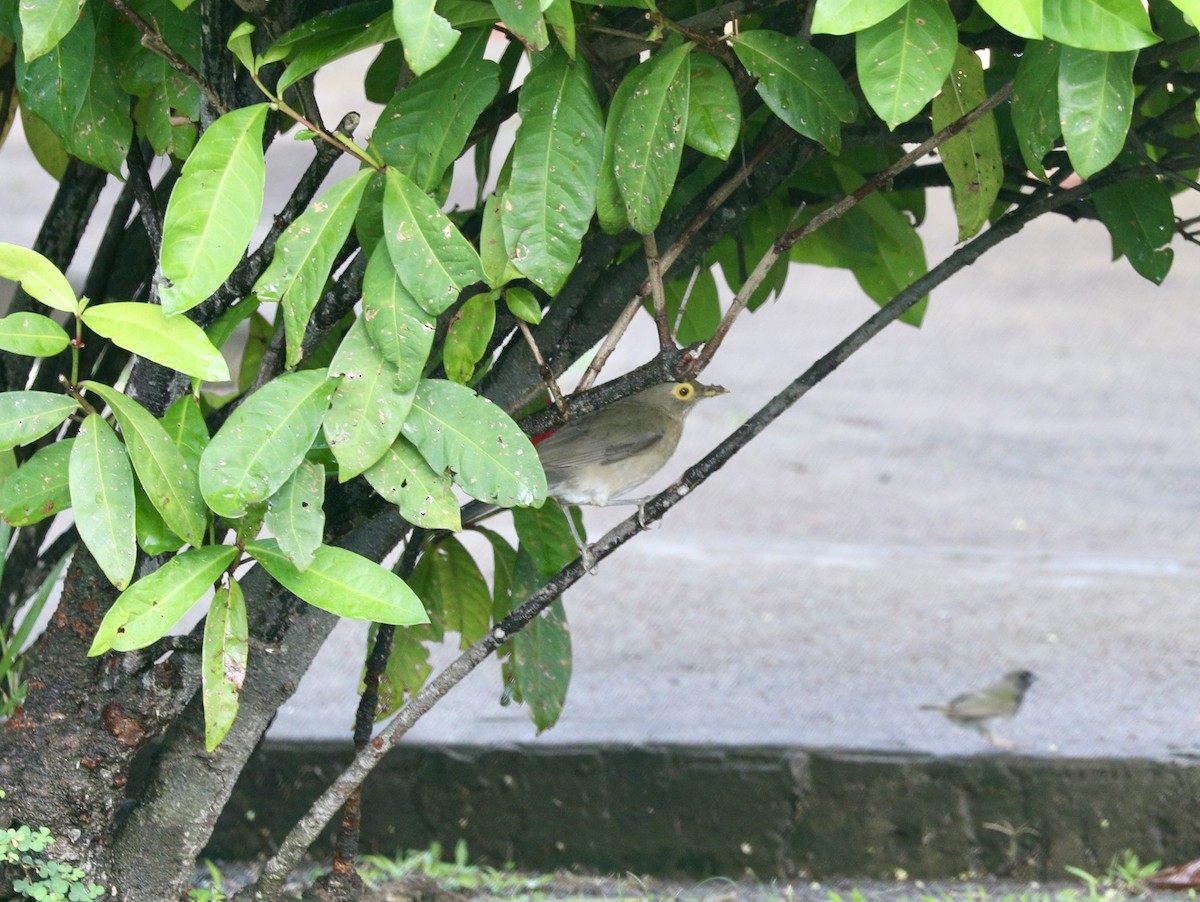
(42, 878)
(459, 874)
(215, 892)
(1125, 876)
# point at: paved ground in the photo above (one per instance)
(1014, 485)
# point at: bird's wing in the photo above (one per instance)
(994, 701)
(608, 436)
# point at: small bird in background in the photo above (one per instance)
(980, 709)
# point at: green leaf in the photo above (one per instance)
(263, 442)
(493, 253)
(153, 535)
(424, 496)
(432, 258)
(1095, 105)
(546, 536)
(174, 341)
(610, 206)
(343, 583)
(144, 612)
(47, 148)
(224, 657)
(1099, 24)
(240, 45)
(1021, 17)
(649, 138)
(1035, 104)
(40, 278)
(26, 416)
(367, 410)
(850, 16)
(524, 19)
(522, 304)
(170, 484)
(424, 128)
(397, 325)
(799, 84)
(54, 86)
(561, 18)
(407, 668)
(185, 426)
(305, 256)
(467, 337)
(102, 496)
(348, 35)
(102, 128)
(1140, 218)
(551, 195)
(296, 514)
(972, 157)
(714, 111)
(214, 208)
(904, 60)
(541, 665)
(454, 592)
(491, 458)
(39, 488)
(426, 36)
(45, 23)
(32, 334)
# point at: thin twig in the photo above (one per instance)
(544, 368)
(153, 41)
(656, 289)
(683, 302)
(609, 344)
(835, 211)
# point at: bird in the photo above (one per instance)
(980, 709)
(599, 456)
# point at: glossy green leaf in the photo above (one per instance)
(224, 657)
(55, 85)
(1021, 17)
(343, 583)
(365, 416)
(47, 148)
(850, 16)
(45, 23)
(467, 337)
(714, 110)
(432, 258)
(426, 36)
(174, 341)
(32, 334)
(972, 157)
(545, 534)
(649, 138)
(102, 497)
(40, 488)
(610, 206)
(214, 208)
(305, 256)
(242, 47)
(102, 129)
(551, 195)
(904, 60)
(1095, 105)
(498, 268)
(424, 496)
(541, 665)
(1035, 104)
(454, 592)
(28, 415)
(296, 514)
(523, 305)
(153, 535)
(1099, 24)
(424, 128)
(401, 330)
(263, 441)
(561, 18)
(524, 19)
(40, 278)
(327, 45)
(1140, 218)
(490, 456)
(170, 484)
(185, 426)
(799, 84)
(148, 609)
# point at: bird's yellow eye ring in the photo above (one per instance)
(683, 391)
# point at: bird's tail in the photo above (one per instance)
(942, 708)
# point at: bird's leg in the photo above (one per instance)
(585, 551)
(998, 741)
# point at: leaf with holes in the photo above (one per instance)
(541, 665)
(490, 456)
(296, 514)
(398, 326)
(424, 496)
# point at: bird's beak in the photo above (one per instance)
(710, 391)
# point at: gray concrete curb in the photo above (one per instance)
(774, 812)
